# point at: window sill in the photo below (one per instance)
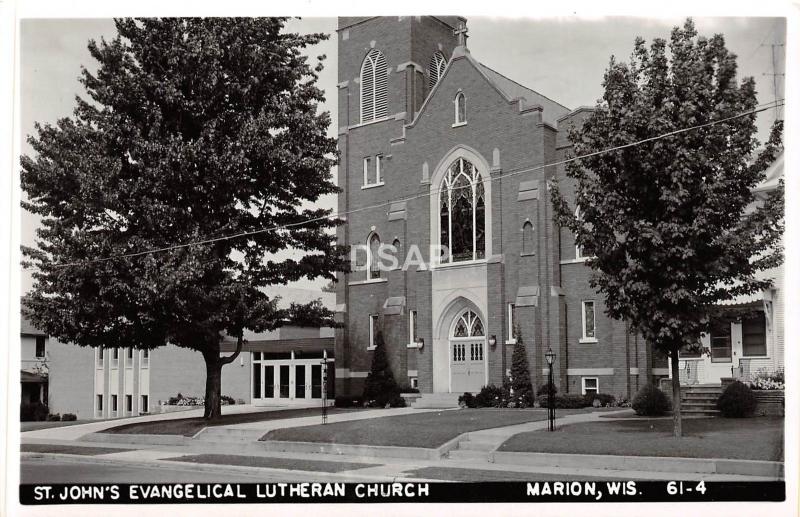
(413, 345)
(372, 185)
(527, 254)
(587, 340)
(511, 341)
(459, 124)
(371, 281)
(754, 357)
(463, 263)
(690, 358)
(371, 348)
(575, 261)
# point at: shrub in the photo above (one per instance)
(396, 401)
(651, 401)
(380, 387)
(568, 401)
(766, 380)
(737, 401)
(54, 418)
(491, 396)
(68, 417)
(345, 401)
(467, 400)
(605, 400)
(545, 389)
(226, 399)
(33, 412)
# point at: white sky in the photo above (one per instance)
(562, 58)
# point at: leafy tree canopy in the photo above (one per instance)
(192, 129)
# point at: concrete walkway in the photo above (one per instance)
(73, 432)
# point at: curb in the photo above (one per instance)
(346, 476)
(136, 439)
(367, 451)
(647, 463)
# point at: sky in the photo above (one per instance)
(563, 58)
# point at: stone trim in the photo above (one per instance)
(590, 371)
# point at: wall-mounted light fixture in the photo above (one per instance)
(420, 343)
(492, 341)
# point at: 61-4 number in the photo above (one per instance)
(678, 488)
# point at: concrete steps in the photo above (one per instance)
(436, 401)
(700, 400)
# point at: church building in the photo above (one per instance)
(441, 156)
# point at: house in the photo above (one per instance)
(441, 170)
(282, 367)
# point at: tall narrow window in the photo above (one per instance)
(100, 402)
(100, 357)
(511, 323)
(462, 215)
(412, 327)
(373, 329)
(460, 104)
(378, 169)
(40, 348)
(398, 252)
(129, 403)
(115, 358)
(145, 359)
(145, 406)
(113, 403)
(578, 247)
(373, 87)
(527, 238)
(588, 321)
(373, 259)
(366, 171)
(436, 69)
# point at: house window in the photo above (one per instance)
(373, 87)
(129, 357)
(145, 406)
(754, 336)
(691, 352)
(129, 404)
(462, 213)
(145, 363)
(460, 104)
(378, 170)
(114, 404)
(527, 238)
(100, 356)
(587, 317)
(100, 403)
(512, 338)
(590, 385)
(40, 346)
(720, 341)
(366, 171)
(373, 259)
(436, 69)
(414, 382)
(373, 328)
(412, 326)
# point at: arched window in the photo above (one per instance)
(460, 104)
(436, 69)
(527, 238)
(462, 213)
(373, 86)
(398, 251)
(468, 324)
(373, 246)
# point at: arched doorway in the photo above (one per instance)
(467, 353)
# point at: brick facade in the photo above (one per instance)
(509, 133)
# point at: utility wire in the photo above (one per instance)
(761, 107)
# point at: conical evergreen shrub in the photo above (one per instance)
(380, 388)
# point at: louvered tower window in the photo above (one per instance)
(436, 69)
(373, 87)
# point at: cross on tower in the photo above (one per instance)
(461, 33)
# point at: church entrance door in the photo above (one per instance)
(467, 354)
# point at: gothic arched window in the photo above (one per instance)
(436, 69)
(527, 238)
(468, 324)
(373, 87)
(462, 213)
(373, 264)
(460, 104)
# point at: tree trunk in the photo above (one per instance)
(677, 430)
(214, 364)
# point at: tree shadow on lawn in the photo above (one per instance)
(758, 438)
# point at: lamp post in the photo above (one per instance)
(324, 386)
(551, 409)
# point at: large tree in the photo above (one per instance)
(204, 132)
(671, 224)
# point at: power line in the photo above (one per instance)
(759, 108)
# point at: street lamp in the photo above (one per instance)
(550, 356)
(324, 386)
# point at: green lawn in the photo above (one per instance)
(428, 430)
(191, 426)
(274, 463)
(747, 438)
